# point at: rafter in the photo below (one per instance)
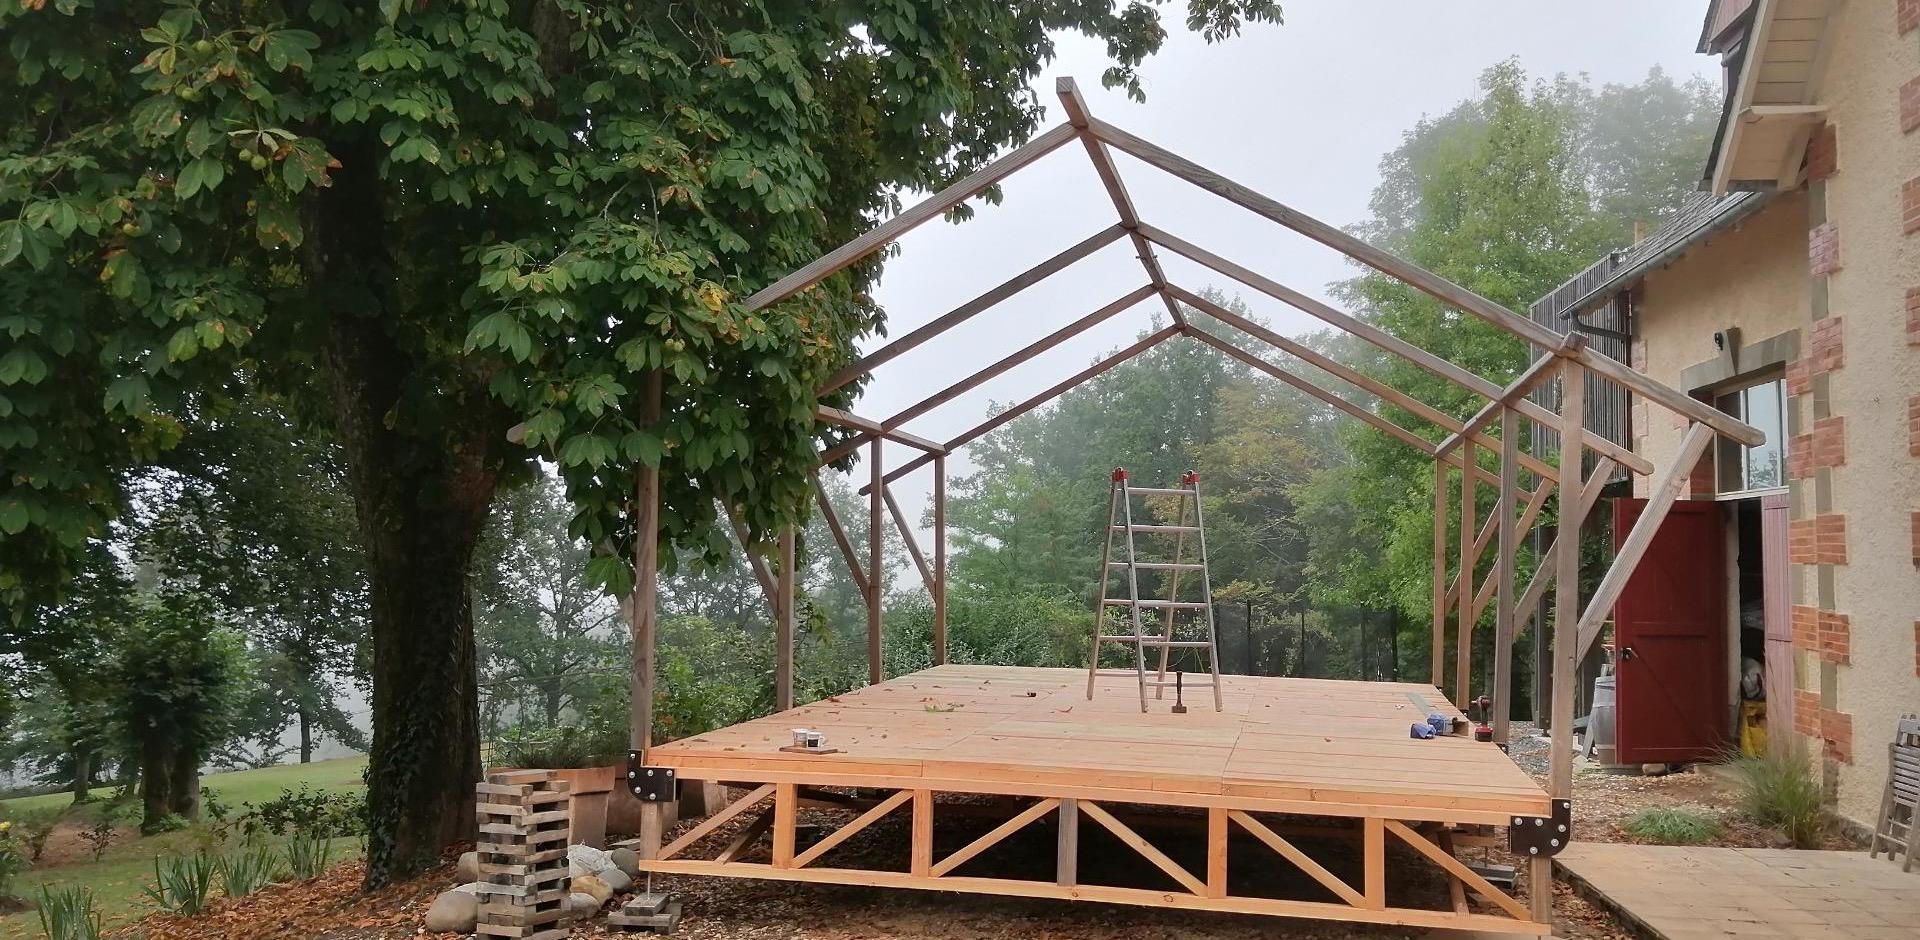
(1077, 115)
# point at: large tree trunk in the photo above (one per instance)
(306, 734)
(423, 443)
(82, 775)
(183, 796)
(156, 781)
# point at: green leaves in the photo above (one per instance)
(202, 173)
(586, 449)
(22, 365)
(502, 331)
(287, 48)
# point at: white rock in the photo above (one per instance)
(469, 866)
(587, 860)
(581, 905)
(453, 912)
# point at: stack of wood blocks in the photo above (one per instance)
(523, 855)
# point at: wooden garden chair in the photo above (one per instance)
(1900, 802)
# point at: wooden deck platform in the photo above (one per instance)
(1299, 747)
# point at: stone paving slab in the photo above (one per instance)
(1682, 893)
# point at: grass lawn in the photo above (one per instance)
(118, 877)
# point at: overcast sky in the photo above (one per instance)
(1302, 112)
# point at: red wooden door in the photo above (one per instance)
(1670, 634)
(1779, 664)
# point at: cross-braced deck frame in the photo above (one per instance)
(1464, 594)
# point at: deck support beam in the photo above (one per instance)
(783, 624)
(1437, 675)
(876, 561)
(1566, 610)
(1503, 574)
(939, 586)
(1463, 652)
(643, 614)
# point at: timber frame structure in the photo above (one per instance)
(1482, 451)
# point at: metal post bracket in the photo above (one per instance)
(1540, 835)
(651, 784)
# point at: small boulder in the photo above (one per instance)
(617, 880)
(626, 860)
(471, 887)
(591, 885)
(468, 867)
(453, 912)
(581, 905)
(586, 860)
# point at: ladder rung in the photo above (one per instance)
(1159, 565)
(1177, 605)
(1158, 528)
(1155, 641)
(1190, 685)
(1157, 491)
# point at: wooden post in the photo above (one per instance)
(1216, 852)
(940, 559)
(1566, 609)
(876, 535)
(921, 861)
(1463, 591)
(1503, 573)
(1067, 848)
(643, 616)
(783, 618)
(1438, 675)
(1374, 854)
(786, 810)
(1540, 888)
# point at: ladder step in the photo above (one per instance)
(1159, 565)
(1158, 528)
(1191, 685)
(1157, 491)
(1153, 641)
(1176, 605)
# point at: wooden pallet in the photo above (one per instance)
(522, 846)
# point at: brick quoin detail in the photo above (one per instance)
(1829, 442)
(1910, 106)
(1836, 732)
(1821, 540)
(1906, 15)
(1799, 376)
(1828, 339)
(1909, 208)
(1831, 532)
(1800, 457)
(1823, 244)
(1806, 628)
(1823, 155)
(1806, 712)
(1836, 637)
(1913, 426)
(1916, 537)
(1913, 316)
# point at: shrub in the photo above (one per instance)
(242, 873)
(13, 859)
(1780, 790)
(181, 883)
(307, 856)
(1673, 827)
(68, 913)
(34, 829)
(306, 811)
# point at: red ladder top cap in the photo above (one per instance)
(1191, 478)
(1119, 474)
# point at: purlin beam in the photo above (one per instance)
(975, 307)
(968, 436)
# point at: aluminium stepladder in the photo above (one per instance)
(1167, 635)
